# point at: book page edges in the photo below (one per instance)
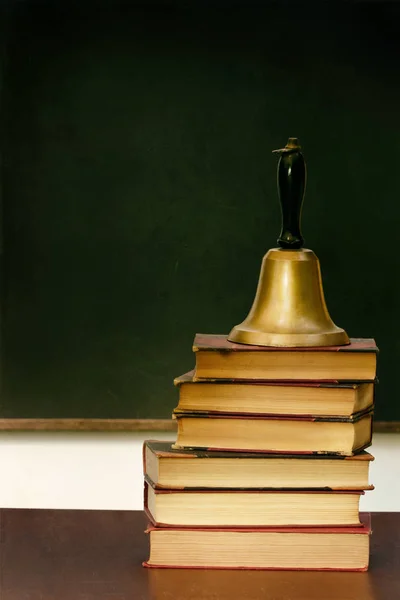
(364, 529)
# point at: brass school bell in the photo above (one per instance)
(289, 308)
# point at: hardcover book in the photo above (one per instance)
(173, 468)
(302, 548)
(217, 358)
(275, 434)
(250, 508)
(312, 398)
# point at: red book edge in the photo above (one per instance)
(214, 568)
(220, 343)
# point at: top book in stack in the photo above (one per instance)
(218, 358)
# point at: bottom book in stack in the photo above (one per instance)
(255, 511)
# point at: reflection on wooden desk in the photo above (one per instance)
(97, 555)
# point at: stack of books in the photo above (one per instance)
(269, 462)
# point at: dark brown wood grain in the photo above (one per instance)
(97, 555)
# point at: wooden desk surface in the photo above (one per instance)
(96, 555)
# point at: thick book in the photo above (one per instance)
(250, 508)
(278, 548)
(217, 358)
(312, 398)
(274, 434)
(173, 468)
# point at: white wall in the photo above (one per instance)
(104, 470)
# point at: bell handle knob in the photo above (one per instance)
(291, 179)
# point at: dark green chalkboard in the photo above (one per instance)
(139, 190)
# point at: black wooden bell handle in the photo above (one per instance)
(291, 178)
